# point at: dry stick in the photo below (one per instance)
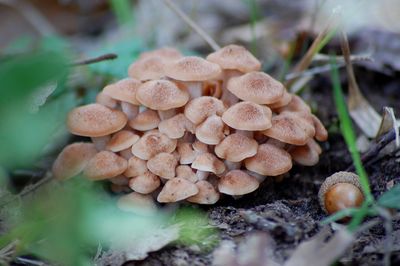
(193, 25)
(95, 60)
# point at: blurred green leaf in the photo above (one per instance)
(123, 11)
(391, 198)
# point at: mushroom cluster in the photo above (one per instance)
(188, 128)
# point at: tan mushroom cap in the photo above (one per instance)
(95, 120)
(285, 100)
(200, 146)
(161, 95)
(211, 131)
(120, 180)
(123, 90)
(145, 120)
(235, 57)
(163, 165)
(104, 165)
(137, 203)
(136, 166)
(320, 131)
(208, 162)
(237, 182)
(295, 105)
(176, 126)
(122, 140)
(192, 68)
(304, 155)
(145, 183)
(177, 189)
(248, 116)
(165, 53)
(73, 159)
(236, 147)
(186, 172)
(186, 152)
(256, 87)
(147, 68)
(269, 160)
(106, 100)
(286, 127)
(152, 143)
(198, 109)
(207, 193)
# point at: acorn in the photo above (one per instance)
(340, 191)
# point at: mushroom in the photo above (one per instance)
(145, 183)
(283, 101)
(95, 120)
(340, 191)
(208, 162)
(307, 155)
(106, 100)
(248, 116)
(73, 159)
(145, 120)
(236, 147)
(237, 182)
(122, 140)
(176, 126)
(177, 189)
(186, 172)
(296, 104)
(211, 131)
(320, 132)
(207, 193)
(152, 143)
(163, 165)
(101, 142)
(120, 180)
(136, 166)
(137, 203)
(104, 165)
(123, 90)
(198, 109)
(129, 109)
(165, 52)
(270, 160)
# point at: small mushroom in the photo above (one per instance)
(283, 101)
(130, 110)
(237, 182)
(136, 166)
(123, 90)
(186, 172)
(236, 147)
(145, 183)
(104, 165)
(176, 126)
(208, 162)
(73, 159)
(152, 143)
(163, 165)
(296, 104)
(211, 131)
(147, 68)
(101, 142)
(307, 155)
(340, 191)
(177, 189)
(198, 109)
(207, 193)
(137, 203)
(106, 100)
(122, 140)
(320, 132)
(145, 120)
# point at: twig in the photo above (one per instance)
(95, 60)
(340, 59)
(193, 25)
(30, 261)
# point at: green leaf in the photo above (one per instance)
(391, 198)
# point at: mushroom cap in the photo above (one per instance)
(145, 183)
(163, 165)
(248, 116)
(129, 110)
(147, 68)
(161, 95)
(257, 87)
(287, 128)
(186, 153)
(152, 143)
(186, 172)
(296, 104)
(236, 147)
(192, 68)
(304, 155)
(235, 57)
(177, 189)
(137, 203)
(123, 90)
(208, 162)
(122, 140)
(165, 53)
(104, 165)
(106, 100)
(145, 120)
(198, 109)
(211, 131)
(200, 147)
(237, 182)
(176, 126)
(285, 100)
(73, 159)
(207, 193)
(337, 178)
(95, 120)
(270, 160)
(320, 131)
(136, 166)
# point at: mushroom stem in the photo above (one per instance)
(100, 142)
(194, 88)
(232, 165)
(202, 175)
(246, 133)
(228, 97)
(129, 109)
(166, 114)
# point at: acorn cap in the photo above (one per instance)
(145, 183)
(95, 120)
(198, 109)
(104, 165)
(152, 143)
(73, 159)
(136, 166)
(248, 116)
(235, 57)
(186, 172)
(336, 178)
(137, 203)
(256, 87)
(192, 68)
(163, 165)
(177, 189)
(211, 131)
(122, 140)
(236, 147)
(208, 162)
(285, 100)
(176, 126)
(270, 160)
(161, 95)
(237, 182)
(145, 120)
(123, 90)
(207, 193)
(320, 131)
